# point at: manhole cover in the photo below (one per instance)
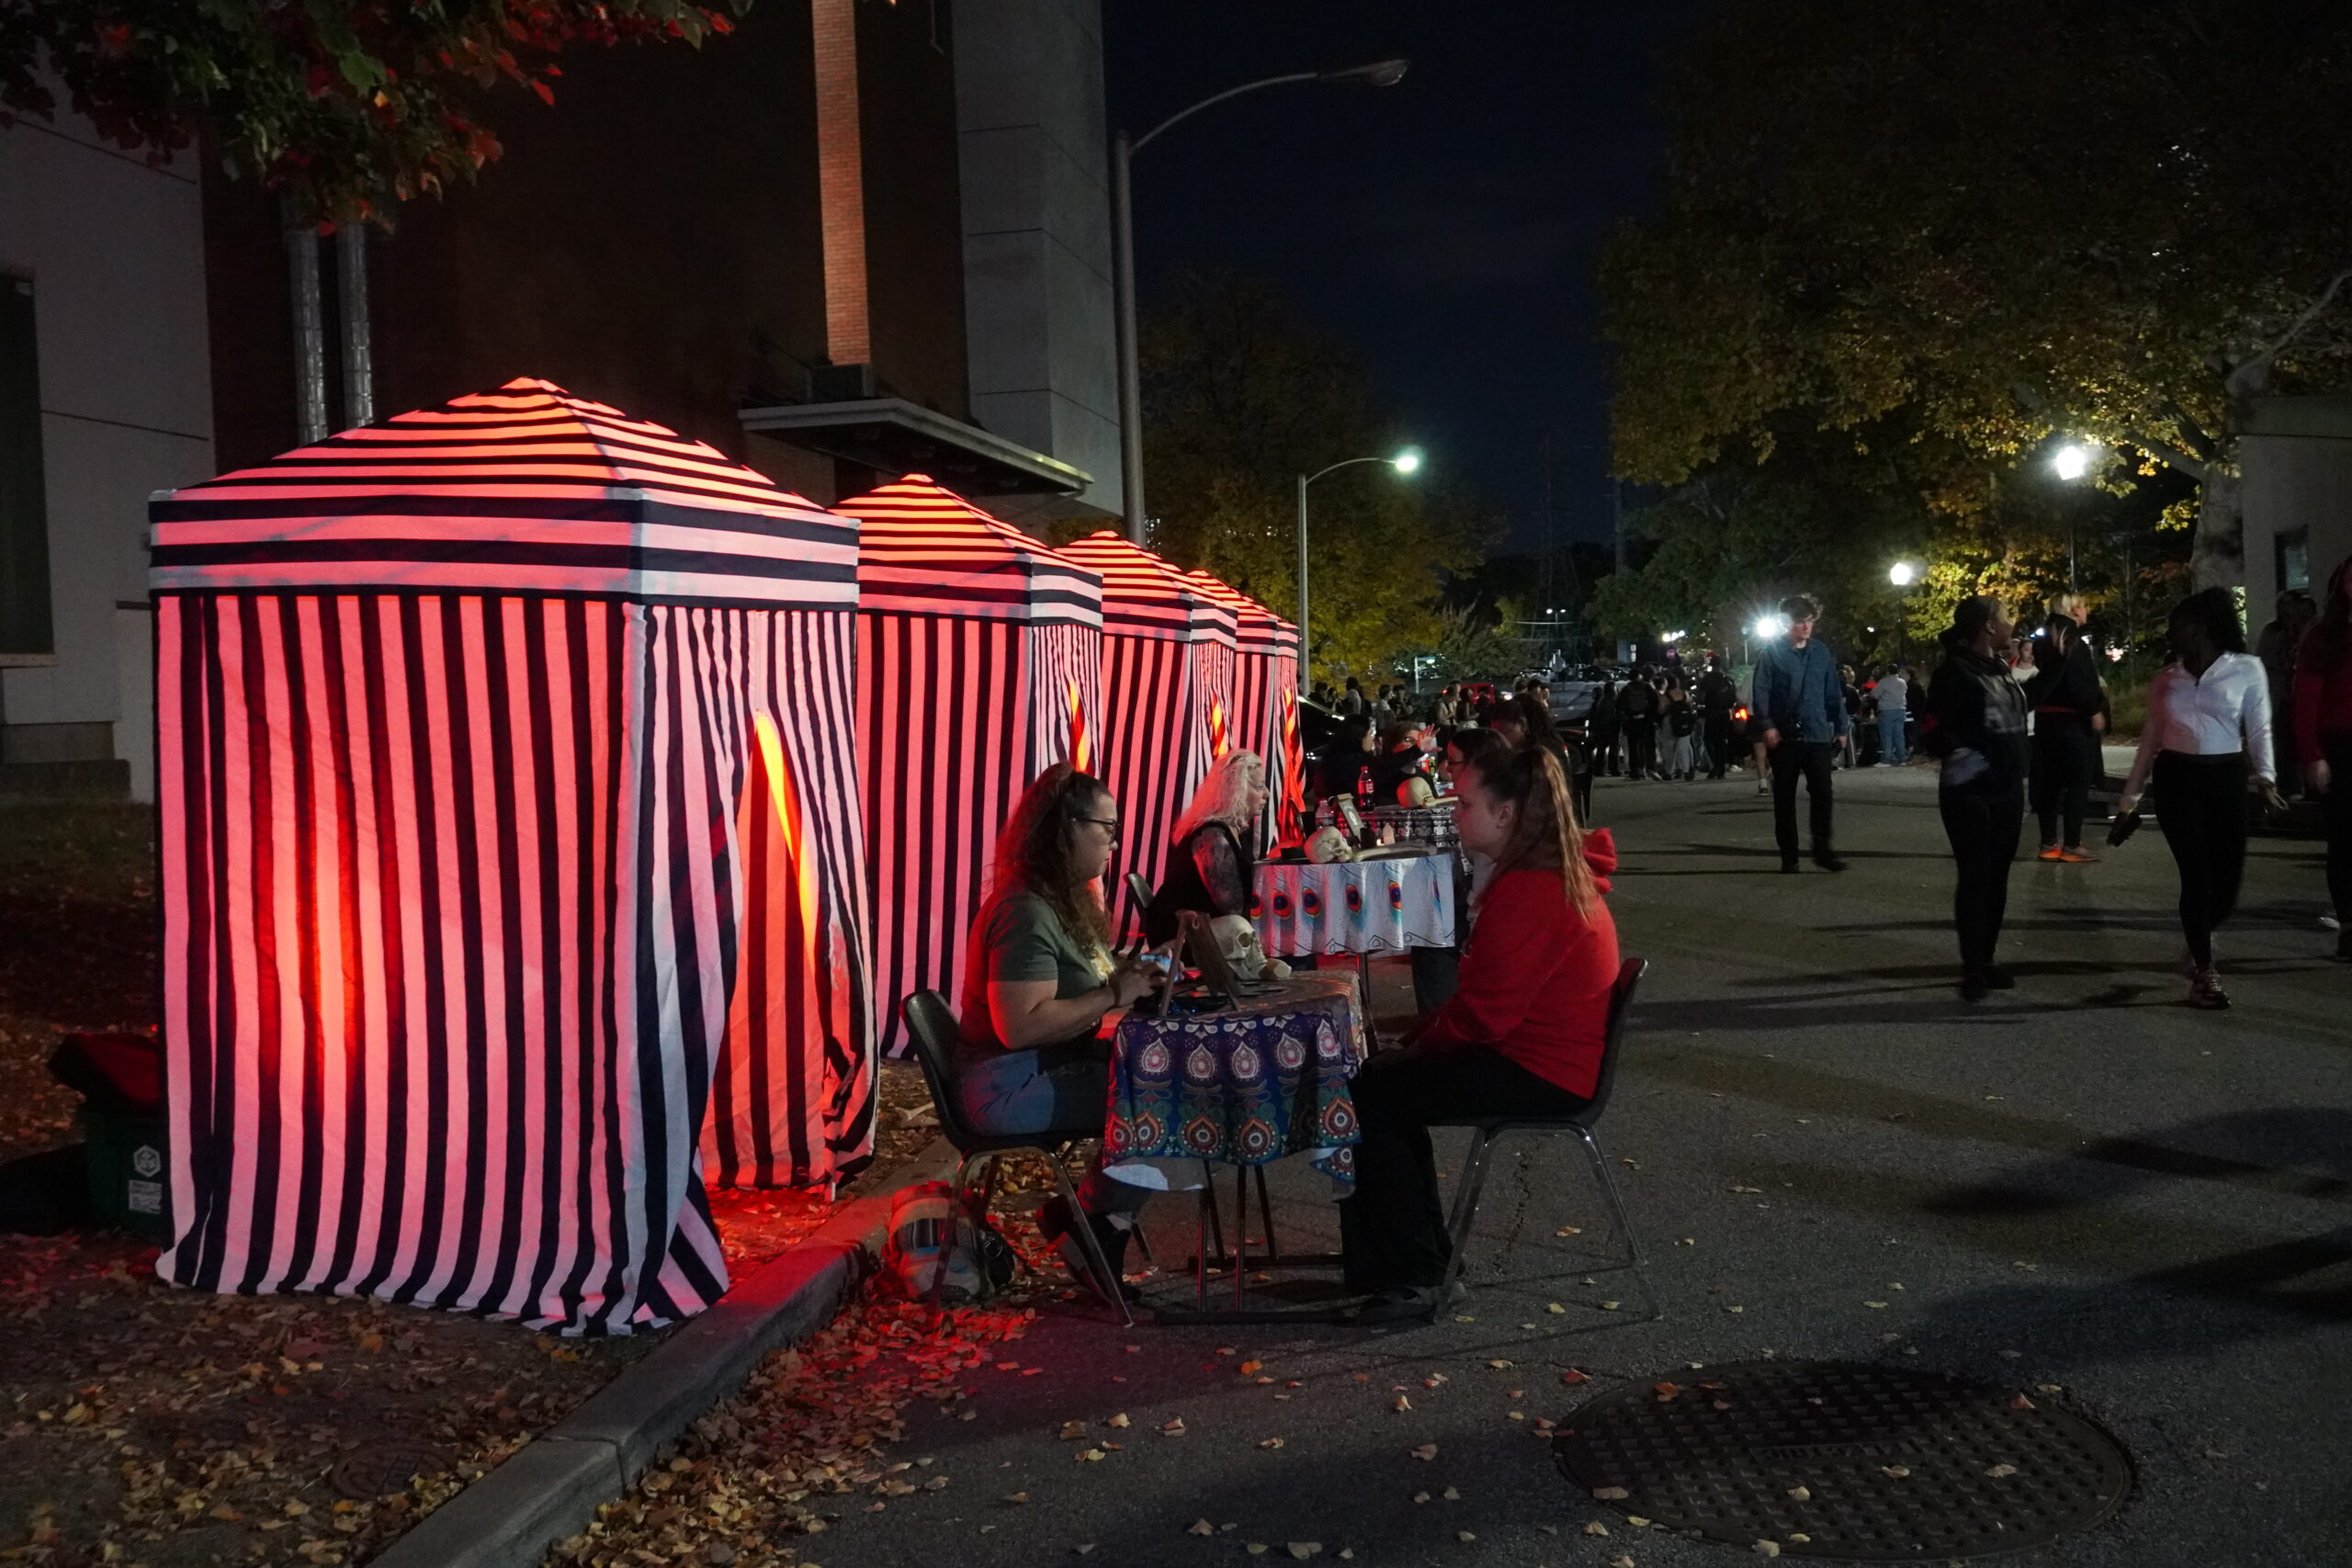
(385, 1467)
(1870, 1464)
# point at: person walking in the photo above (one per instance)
(2207, 729)
(2322, 734)
(1718, 696)
(1682, 727)
(2070, 711)
(1849, 692)
(1893, 696)
(1637, 710)
(1804, 716)
(1976, 728)
(1602, 724)
(2292, 615)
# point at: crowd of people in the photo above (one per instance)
(2013, 722)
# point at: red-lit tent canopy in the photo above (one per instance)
(506, 769)
(1263, 688)
(979, 665)
(1167, 650)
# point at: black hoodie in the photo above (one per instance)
(1975, 723)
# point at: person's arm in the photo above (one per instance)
(1217, 855)
(2310, 688)
(2253, 719)
(1512, 955)
(1027, 1014)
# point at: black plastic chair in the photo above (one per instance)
(1139, 894)
(933, 1025)
(1486, 1132)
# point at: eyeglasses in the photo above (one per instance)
(1110, 822)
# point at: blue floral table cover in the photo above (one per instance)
(1246, 1087)
(1364, 905)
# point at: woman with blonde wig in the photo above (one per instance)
(1209, 866)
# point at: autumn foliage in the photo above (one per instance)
(348, 106)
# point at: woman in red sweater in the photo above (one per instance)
(1522, 1034)
(2322, 737)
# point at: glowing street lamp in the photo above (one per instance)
(1903, 574)
(1407, 461)
(2074, 460)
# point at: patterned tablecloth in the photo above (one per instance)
(1365, 906)
(1247, 1087)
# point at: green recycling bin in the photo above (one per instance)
(128, 1185)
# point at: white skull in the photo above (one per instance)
(1329, 846)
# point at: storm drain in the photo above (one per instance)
(1824, 1459)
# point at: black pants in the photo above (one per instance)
(2336, 810)
(2065, 759)
(1812, 759)
(1718, 746)
(1983, 825)
(1640, 748)
(2202, 806)
(1604, 748)
(1393, 1227)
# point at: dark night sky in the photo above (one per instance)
(1445, 229)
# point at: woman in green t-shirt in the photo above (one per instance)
(1038, 977)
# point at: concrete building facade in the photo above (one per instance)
(109, 397)
(2296, 457)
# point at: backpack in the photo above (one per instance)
(924, 1238)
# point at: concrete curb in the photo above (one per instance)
(552, 1486)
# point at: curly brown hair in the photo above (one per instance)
(1033, 853)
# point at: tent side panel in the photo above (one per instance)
(388, 933)
(946, 746)
(794, 1102)
(1153, 751)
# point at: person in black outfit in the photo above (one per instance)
(1346, 754)
(1976, 726)
(1637, 711)
(1209, 868)
(1718, 696)
(1601, 727)
(1401, 766)
(2069, 712)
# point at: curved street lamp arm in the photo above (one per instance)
(1344, 463)
(1137, 145)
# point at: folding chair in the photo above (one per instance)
(1486, 1132)
(935, 1031)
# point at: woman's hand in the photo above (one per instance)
(2317, 776)
(2272, 801)
(1131, 982)
(2125, 804)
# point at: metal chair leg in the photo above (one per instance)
(985, 1161)
(1083, 1225)
(1465, 1204)
(1608, 1180)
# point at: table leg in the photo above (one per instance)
(1240, 1230)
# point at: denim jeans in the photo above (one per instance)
(1890, 740)
(1058, 1089)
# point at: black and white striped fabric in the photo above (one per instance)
(1166, 648)
(979, 666)
(494, 908)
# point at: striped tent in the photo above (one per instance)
(511, 866)
(979, 665)
(1168, 655)
(1265, 675)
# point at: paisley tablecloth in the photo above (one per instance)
(1246, 1087)
(1366, 905)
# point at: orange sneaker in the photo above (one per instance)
(2074, 854)
(2049, 852)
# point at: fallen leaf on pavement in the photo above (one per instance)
(1269, 1442)
(1016, 1497)
(1427, 1450)
(1612, 1494)
(1595, 1527)
(1088, 1456)
(1499, 1364)
(1570, 1230)
(1073, 1429)
(1303, 1550)
(1200, 1526)
(1768, 1548)
(1251, 1369)
(1402, 1404)
(2000, 1469)
(1802, 1494)
(1896, 1470)
(1572, 1376)
(1120, 1421)
(1665, 1392)
(1173, 1427)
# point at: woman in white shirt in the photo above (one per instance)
(2208, 726)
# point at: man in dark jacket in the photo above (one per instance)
(1975, 724)
(1802, 706)
(1718, 696)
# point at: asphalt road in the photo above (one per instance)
(2080, 1185)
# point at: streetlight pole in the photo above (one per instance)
(1379, 73)
(1404, 462)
